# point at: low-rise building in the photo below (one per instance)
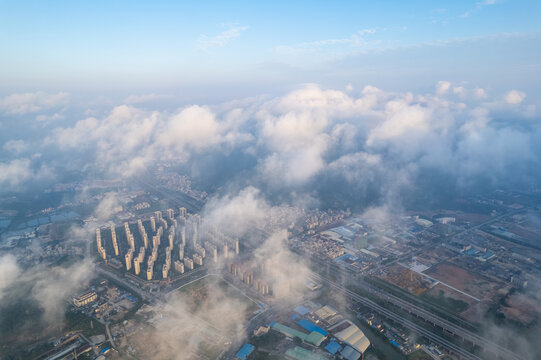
(85, 298)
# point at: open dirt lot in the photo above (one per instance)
(406, 279)
(462, 280)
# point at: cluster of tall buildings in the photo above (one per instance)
(250, 274)
(101, 248)
(115, 242)
(179, 241)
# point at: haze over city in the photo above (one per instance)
(309, 180)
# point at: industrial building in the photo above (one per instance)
(298, 353)
(244, 352)
(326, 312)
(315, 338)
(85, 298)
(349, 333)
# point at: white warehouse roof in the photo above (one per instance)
(349, 333)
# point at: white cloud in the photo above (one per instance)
(129, 139)
(295, 167)
(442, 87)
(236, 215)
(106, 207)
(354, 166)
(52, 287)
(285, 272)
(355, 39)
(15, 146)
(401, 119)
(9, 273)
(480, 94)
(54, 117)
(195, 127)
(21, 104)
(469, 94)
(304, 134)
(122, 140)
(478, 6)
(205, 43)
(515, 97)
(15, 173)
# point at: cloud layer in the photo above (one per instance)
(313, 139)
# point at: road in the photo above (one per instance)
(109, 335)
(263, 318)
(450, 237)
(191, 204)
(101, 269)
(406, 323)
(94, 348)
(474, 338)
(188, 276)
(428, 316)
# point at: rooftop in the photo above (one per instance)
(313, 338)
(349, 333)
(299, 353)
(245, 351)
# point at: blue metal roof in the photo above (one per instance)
(245, 351)
(344, 231)
(343, 257)
(308, 325)
(333, 347)
(302, 310)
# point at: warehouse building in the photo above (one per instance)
(315, 338)
(349, 333)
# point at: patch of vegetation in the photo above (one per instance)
(75, 320)
(18, 317)
(419, 355)
(263, 355)
(209, 351)
(426, 302)
(228, 291)
(62, 230)
(267, 340)
(28, 354)
(453, 305)
(68, 260)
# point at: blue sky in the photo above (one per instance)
(160, 46)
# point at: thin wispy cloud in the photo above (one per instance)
(356, 39)
(478, 6)
(205, 43)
